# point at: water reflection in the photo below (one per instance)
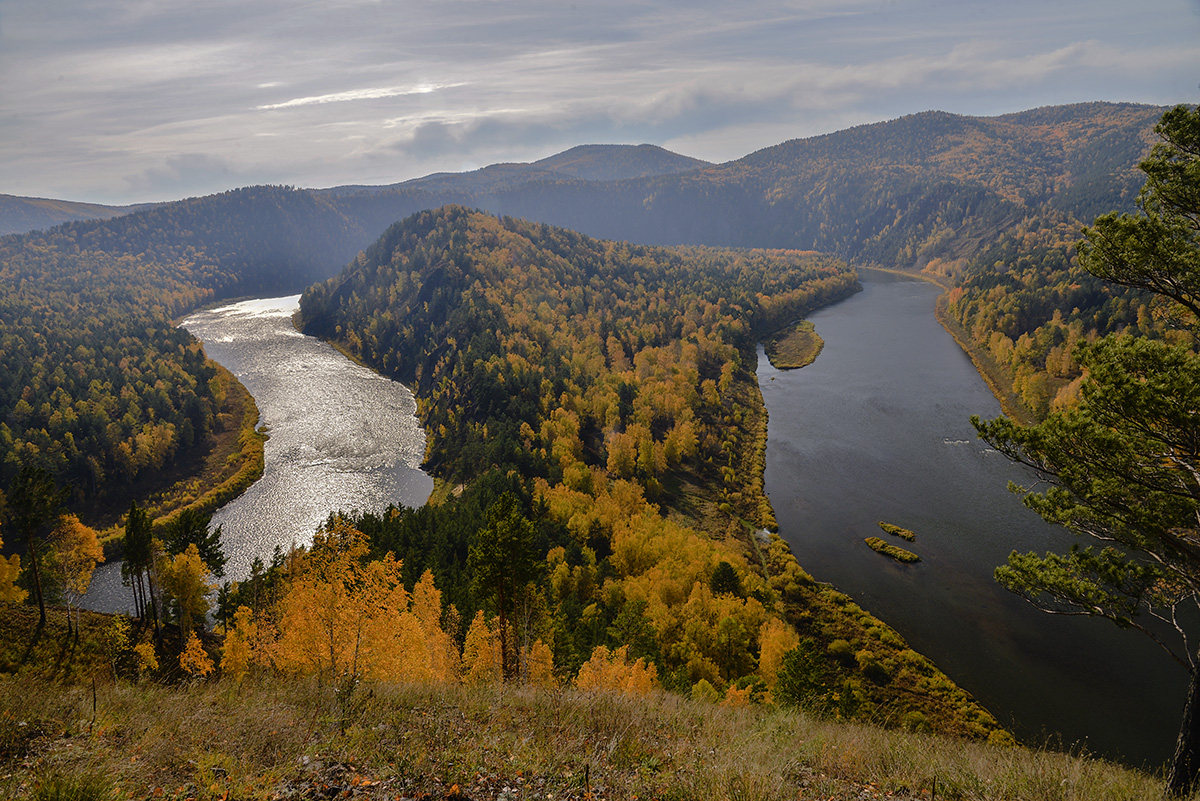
(878, 429)
(342, 437)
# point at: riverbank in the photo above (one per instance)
(996, 378)
(232, 463)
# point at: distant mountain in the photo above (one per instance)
(21, 214)
(616, 162)
(897, 193)
(929, 185)
(581, 163)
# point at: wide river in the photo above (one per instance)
(341, 437)
(877, 428)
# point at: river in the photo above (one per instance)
(341, 437)
(878, 428)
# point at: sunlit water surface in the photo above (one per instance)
(341, 437)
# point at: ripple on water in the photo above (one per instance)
(341, 437)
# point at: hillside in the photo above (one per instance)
(21, 214)
(272, 737)
(100, 387)
(898, 193)
(616, 383)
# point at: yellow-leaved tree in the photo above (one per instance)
(345, 618)
(194, 660)
(184, 577)
(775, 639)
(612, 670)
(323, 615)
(481, 653)
(10, 568)
(237, 652)
(77, 551)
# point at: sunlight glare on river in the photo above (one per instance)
(341, 436)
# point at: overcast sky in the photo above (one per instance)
(119, 101)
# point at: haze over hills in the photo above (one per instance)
(583, 162)
(930, 190)
(21, 214)
(925, 185)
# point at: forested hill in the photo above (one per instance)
(492, 320)
(899, 193)
(613, 386)
(98, 385)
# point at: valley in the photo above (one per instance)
(611, 396)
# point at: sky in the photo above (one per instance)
(124, 101)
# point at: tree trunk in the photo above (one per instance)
(37, 578)
(1186, 762)
(503, 638)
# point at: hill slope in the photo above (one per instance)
(21, 214)
(617, 382)
(273, 737)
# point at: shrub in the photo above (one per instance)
(841, 651)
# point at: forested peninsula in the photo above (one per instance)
(611, 387)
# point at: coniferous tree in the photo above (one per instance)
(1124, 466)
(502, 562)
(33, 500)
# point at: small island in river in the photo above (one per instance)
(896, 531)
(794, 347)
(879, 545)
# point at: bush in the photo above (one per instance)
(872, 668)
(841, 651)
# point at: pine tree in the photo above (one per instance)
(1123, 467)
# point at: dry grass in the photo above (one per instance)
(272, 739)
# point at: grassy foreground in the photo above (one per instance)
(275, 737)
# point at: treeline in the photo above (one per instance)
(607, 391)
(1027, 304)
(99, 387)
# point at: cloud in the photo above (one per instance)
(185, 174)
(122, 98)
(360, 94)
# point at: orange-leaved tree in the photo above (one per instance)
(344, 617)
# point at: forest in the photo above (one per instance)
(101, 388)
(591, 407)
(607, 390)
